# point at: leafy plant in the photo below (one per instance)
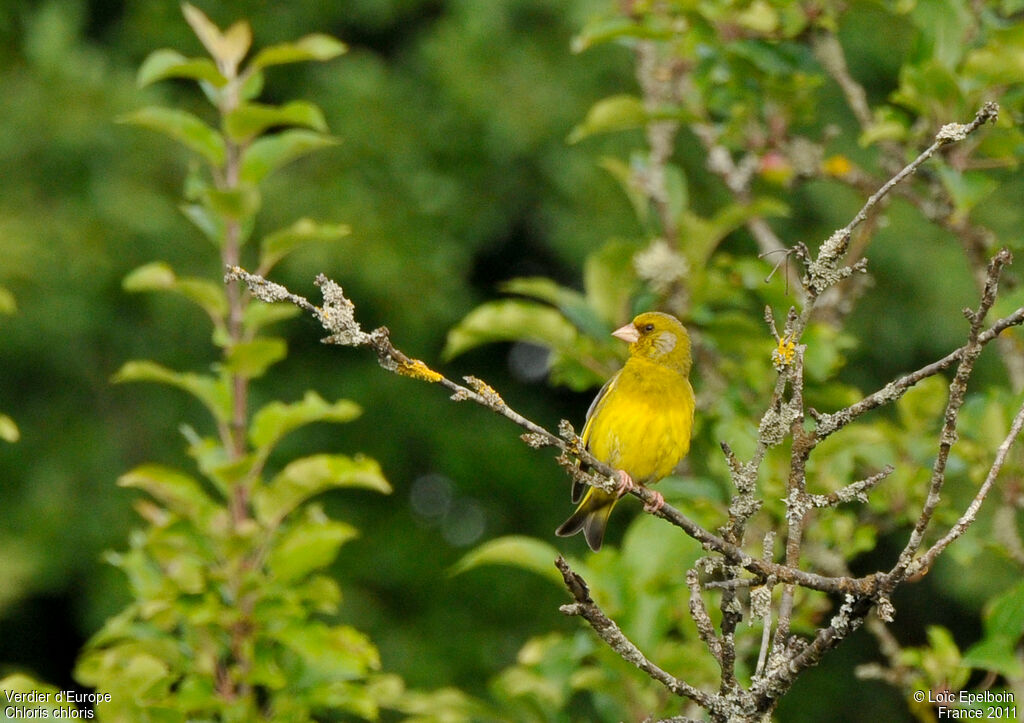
(233, 616)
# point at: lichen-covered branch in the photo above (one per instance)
(832, 422)
(610, 633)
(924, 562)
(948, 435)
(824, 271)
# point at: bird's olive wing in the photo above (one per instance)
(578, 488)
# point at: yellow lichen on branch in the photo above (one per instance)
(783, 354)
(418, 370)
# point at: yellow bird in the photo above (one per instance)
(640, 422)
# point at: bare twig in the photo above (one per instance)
(761, 607)
(830, 423)
(830, 54)
(699, 613)
(948, 435)
(924, 562)
(823, 272)
(609, 632)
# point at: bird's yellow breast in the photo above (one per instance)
(643, 424)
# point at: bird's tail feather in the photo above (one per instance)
(591, 517)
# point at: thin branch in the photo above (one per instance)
(699, 613)
(761, 606)
(768, 690)
(610, 633)
(854, 491)
(822, 272)
(948, 435)
(829, 53)
(924, 562)
(797, 506)
(831, 423)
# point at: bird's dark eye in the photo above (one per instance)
(648, 327)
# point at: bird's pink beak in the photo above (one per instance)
(627, 333)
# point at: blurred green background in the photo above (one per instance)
(454, 173)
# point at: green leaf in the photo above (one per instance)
(252, 85)
(251, 359)
(944, 27)
(276, 419)
(154, 275)
(619, 112)
(205, 220)
(330, 653)
(207, 294)
(966, 188)
(182, 127)
(282, 242)
(703, 235)
(526, 553)
(650, 26)
(212, 392)
(258, 316)
(570, 302)
(630, 184)
(997, 653)
(1001, 60)
(510, 320)
(311, 47)
(8, 429)
(887, 124)
(309, 545)
(235, 203)
(268, 154)
(7, 303)
(919, 408)
(307, 477)
(179, 492)
(252, 119)
(1004, 615)
(167, 63)
(930, 89)
(608, 279)
(159, 276)
(826, 350)
(759, 16)
(227, 48)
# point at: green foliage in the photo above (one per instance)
(453, 170)
(637, 586)
(232, 616)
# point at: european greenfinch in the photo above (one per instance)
(640, 422)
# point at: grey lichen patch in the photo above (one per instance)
(339, 315)
(953, 132)
(760, 603)
(535, 440)
(798, 504)
(886, 612)
(776, 422)
(259, 287)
